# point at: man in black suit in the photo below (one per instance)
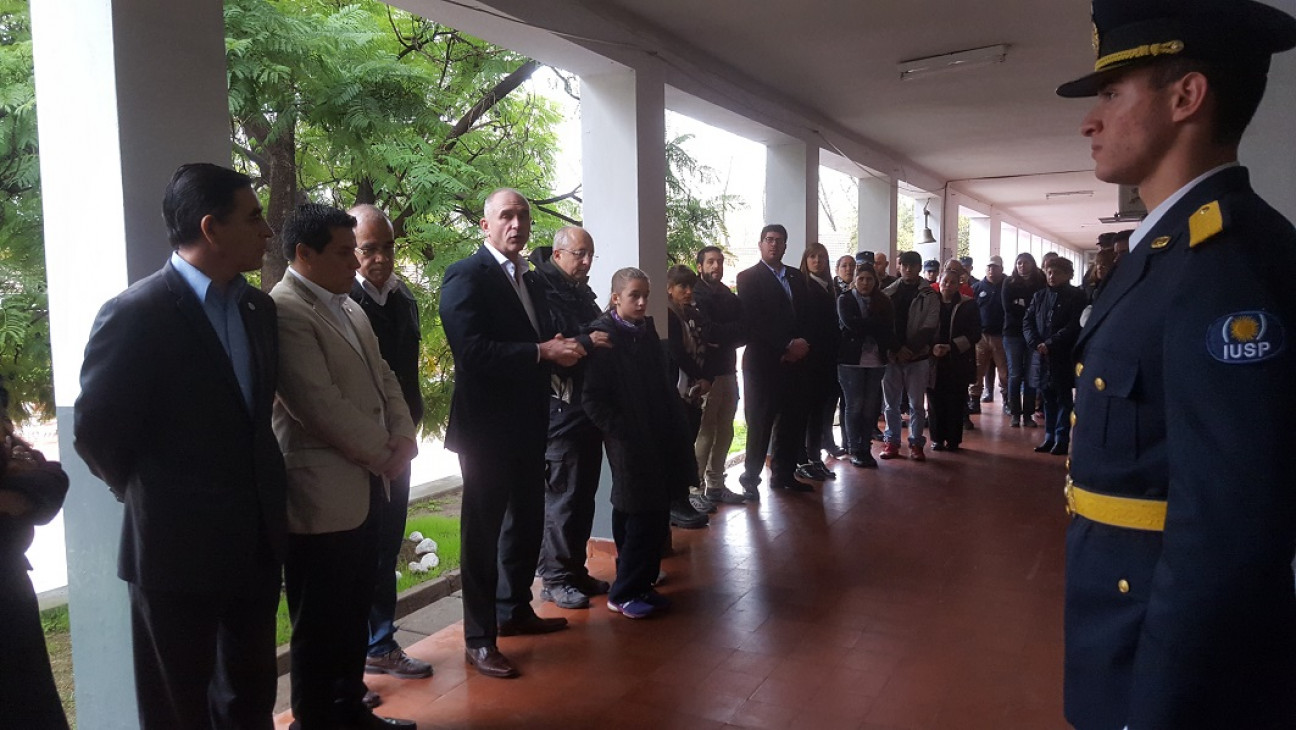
(174, 414)
(497, 322)
(773, 369)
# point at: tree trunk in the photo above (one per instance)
(281, 150)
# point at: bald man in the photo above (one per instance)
(505, 348)
(394, 315)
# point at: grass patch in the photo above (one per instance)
(739, 444)
(58, 641)
(445, 530)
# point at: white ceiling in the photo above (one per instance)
(996, 133)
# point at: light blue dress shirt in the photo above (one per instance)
(222, 310)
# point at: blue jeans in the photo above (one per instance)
(391, 531)
(862, 388)
(1058, 403)
(1019, 390)
(899, 378)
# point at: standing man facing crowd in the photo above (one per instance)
(174, 415)
(394, 316)
(990, 355)
(346, 433)
(500, 331)
(722, 309)
(574, 452)
(1180, 610)
(773, 300)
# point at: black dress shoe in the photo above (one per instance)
(490, 662)
(1045, 447)
(531, 625)
(822, 470)
(1059, 449)
(838, 452)
(791, 485)
(938, 446)
(807, 471)
(750, 485)
(371, 699)
(864, 462)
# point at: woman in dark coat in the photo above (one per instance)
(1025, 280)
(867, 334)
(821, 364)
(955, 354)
(31, 493)
(628, 395)
(1051, 326)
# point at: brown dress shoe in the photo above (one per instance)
(398, 664)
(489, 661)
(531, 625)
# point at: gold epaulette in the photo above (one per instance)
(1205, 223)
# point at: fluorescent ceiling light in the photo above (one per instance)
(1070, 194)
(953, 61)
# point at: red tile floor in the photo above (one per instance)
(916, 595)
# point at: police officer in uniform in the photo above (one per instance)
(1180, 610)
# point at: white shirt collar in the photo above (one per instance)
(378, 295)
(1159, 212)
(328, 298)
(510, 268)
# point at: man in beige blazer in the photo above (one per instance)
(345, 431)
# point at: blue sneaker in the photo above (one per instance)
(633, 608)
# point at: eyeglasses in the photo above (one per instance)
(369, 252)
(578, 254)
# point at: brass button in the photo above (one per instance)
(1073, 419)
(1079, 369)
(1100, 384)
(1068, 463)
(1122, 585)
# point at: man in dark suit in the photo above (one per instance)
(394, 316)
(174, 414)
(497, 322)
(345, 431)
(772, 296)
(1180, 611)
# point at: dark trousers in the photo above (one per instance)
(1020, 393)
(639, 538)
(862, 388)
(28, 697)
(329, 579)
(1058, 403)
(947, 403)
(821, 394)
(207, 660)
(391, 534)
(776, 411)
(500, 532)
(573, 464)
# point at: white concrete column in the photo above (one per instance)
(127, 90)
(877, 216)
(792, 194)
(979, 244)
(996, 233)
(623, 164)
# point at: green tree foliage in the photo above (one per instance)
(366, 103)
(692, 220)
(24, 316)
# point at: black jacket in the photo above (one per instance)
(396, 325)
(572, 309)
(1017, 295)
(772, 319)
(725, 331)
(1053, 319)
(989, 300)
(856, 329)
(629, 397)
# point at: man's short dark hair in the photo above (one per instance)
(909, 258)
(197, 190)
(1237, 93)
(774, 228)
(702, 254)
(681, 275)
(313, 224)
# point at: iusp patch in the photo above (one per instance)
(1246, 337)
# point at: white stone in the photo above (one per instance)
(430, 561)
(416, 536)
(417, 568)
(428, 545)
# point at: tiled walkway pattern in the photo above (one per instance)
(912, 596)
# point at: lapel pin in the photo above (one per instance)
(1161, 243)
(251, 306)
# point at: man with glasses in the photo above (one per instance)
(574, 453)
(394, 315)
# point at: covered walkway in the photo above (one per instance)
(912, 596)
